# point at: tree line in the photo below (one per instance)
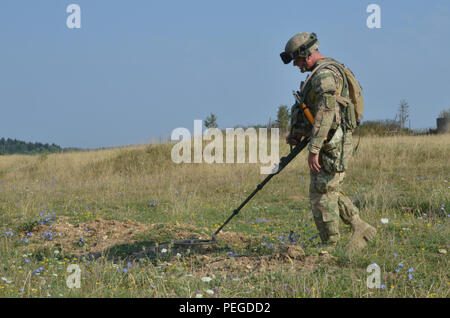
(282, 121)
(14, 146)
(372, 127)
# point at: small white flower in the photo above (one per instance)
(206, 279)
(178, 255)
(198, 296)
(209, 292)
(7, 280)
(163, 250)
(385, 221)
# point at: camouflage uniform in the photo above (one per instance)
(328, 202)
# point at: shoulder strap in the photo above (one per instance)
(338, 97)
(314, 71)
(339, 67)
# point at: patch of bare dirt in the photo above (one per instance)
(288, 257)
(234, 238)
(100, 235)
(94, 237)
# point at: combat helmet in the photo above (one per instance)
(301, 44)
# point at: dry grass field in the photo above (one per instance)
(111, 212)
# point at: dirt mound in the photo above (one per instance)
(291, 252)
(168, 232)
(101, 235)
(287, 256)
(92, 236)
(233, 238)
(135, 240)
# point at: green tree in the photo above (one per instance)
(282, 121)
(11, 146)
(211, 121)
(403, 113)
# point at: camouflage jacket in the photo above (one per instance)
(319, 95)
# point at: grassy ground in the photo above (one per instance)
(110, 211)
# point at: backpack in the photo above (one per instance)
(351, 100)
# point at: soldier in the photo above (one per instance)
(331, 143)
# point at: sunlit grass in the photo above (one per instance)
(405, 180)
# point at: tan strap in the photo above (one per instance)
(342, 100)
(311, 74)
(339, 98)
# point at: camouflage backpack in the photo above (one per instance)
(351, 100)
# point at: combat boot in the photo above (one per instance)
(362, 232)
(328, 246)
(329, 235)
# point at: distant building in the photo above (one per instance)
(443, 125)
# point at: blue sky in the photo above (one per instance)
(138, 69)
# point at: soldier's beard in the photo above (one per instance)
(303, 68)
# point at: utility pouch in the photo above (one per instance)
(331, 154)
(347, 109)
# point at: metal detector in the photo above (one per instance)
(284, 161)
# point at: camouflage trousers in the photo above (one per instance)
(328, 203)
